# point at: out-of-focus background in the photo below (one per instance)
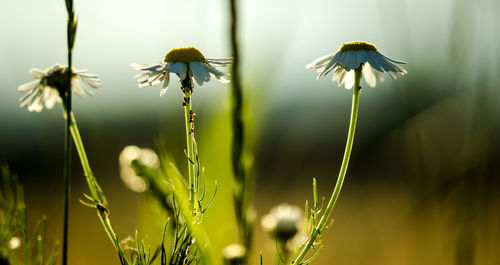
(422, 187)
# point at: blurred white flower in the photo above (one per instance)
(283, 221)
(234, 254)
(350, 57)
(181, 61)
(143, 156)
(46, 89)
(14, 242)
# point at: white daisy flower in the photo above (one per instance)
(181, 61)
(350, 57)
(49, 85)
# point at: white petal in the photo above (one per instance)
(378, 75)
(36, 73)
(392, 60)
(349, 79)
(76, 87)
(197, 72)
(145, 67)
(79, 72)
(93, 82)
(222, 77)
(54, 68)
(328, 66)
(153, 77)
(348, 60)
(373, 62)
(35, 105)
(354, 62)
(362, 56)
(141, 75)
(155, 82)
(220, 62)
(87, 75)
(200, 72)
(380, 62)
(28, 86)
(165, 84)
(339, 75)
(180, 69)
(51, 98)
(369, 75)
(319, 62)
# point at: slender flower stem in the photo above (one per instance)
(187, 88)
(67, 180)
(95, 189)
(343, 169)
(67, 143)
(242, 196)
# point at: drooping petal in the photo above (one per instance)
(362, 56)
(179, 68)
(349, 60)
(339, 75)
(200, 72)
(76, 87)
(369, 75)
(378, 61)
(153, 77)
(392, 60)
(354, 63)
(222, 77)
(328, 66)
(36, 105)
(51, 97)
(220, 62)
(349, 79)
(378, 75)
(36, 73)
(93, 82)
(28, 86)
(319, 62)
(147, 67)
(373, 62)
(165, 84)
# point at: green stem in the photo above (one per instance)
(343, 169)
(94, 187)
(187, 88)
(243, 190)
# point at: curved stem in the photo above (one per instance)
(343, 169)
(95, 190)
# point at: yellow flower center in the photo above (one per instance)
(184, 54)
(357, 46)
